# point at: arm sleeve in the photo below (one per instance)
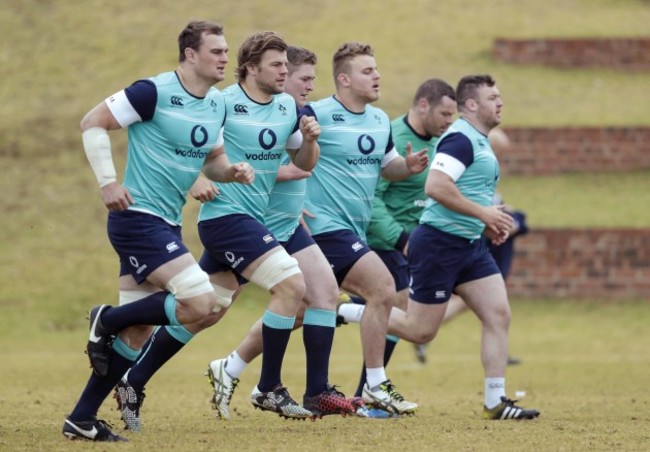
(136, 103)
(308, 111)
(382, 224)
(454, 154)
(295, 139)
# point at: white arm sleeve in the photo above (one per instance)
(122, 109)
(295, 140)
(220, 141)
(449, 165)
(389, 157)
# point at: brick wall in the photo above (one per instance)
(582, 263)
(616, 53)
(546, 150)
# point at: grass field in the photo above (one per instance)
(585, 362)
(585, 367)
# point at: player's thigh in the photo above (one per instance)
(487, 297)
(227, 279)
(131, 291)
(401, 299)
(369, 278)
(321, 288)
(424, 319)
(161, 276)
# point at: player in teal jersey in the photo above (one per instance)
(503, 254)
(397, 205)
(282, 218)
(446, 252)
(356, 148)
(174, 123)
(262, 123)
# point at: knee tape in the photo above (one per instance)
(275, 269)
(224, 297)
(189, 283)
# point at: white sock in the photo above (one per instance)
(495, 388)
(351, 312)
(375, 376)
(235, 365)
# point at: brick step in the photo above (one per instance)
(625, 54)
(551, 150)
(582, 263)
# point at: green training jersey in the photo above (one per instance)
(398, 205)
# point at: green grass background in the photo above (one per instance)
(58, 58)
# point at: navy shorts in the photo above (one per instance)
(143, 241)
(299, 240)
(342, 248)
(438, 262)
(233, 242)
(398, 266)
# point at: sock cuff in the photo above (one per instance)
(392, 338)
(124, 350)
(319, 317)
(170, 309)
(179, 333)
(278, 322)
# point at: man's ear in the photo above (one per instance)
(190, 54)
(251, 69)
(343, 79)
(422, 106)
(471, 105)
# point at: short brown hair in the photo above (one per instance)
(345, 53)
(252, 49)
(192, 36)
(433, 90)
(468, 86)
(300, 55)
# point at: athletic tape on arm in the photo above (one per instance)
(97, 145)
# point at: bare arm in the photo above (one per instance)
(441, 187)
(203, 189)
(218, 168)
(291, 172)
(402, 167)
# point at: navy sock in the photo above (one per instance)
(97, 389)
(147, 311)
(318, 346)
(276, 331)
(388, 352)
(160, 347)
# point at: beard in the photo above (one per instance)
(269, 88)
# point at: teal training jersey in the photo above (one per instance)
(258, 134)
(285, 207)
(477, 183)
(398, 205)
(352, 147)
(166, 152)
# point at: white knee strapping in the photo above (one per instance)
(129, 296)
(189, 283)
(224, 297)
(275, 269)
